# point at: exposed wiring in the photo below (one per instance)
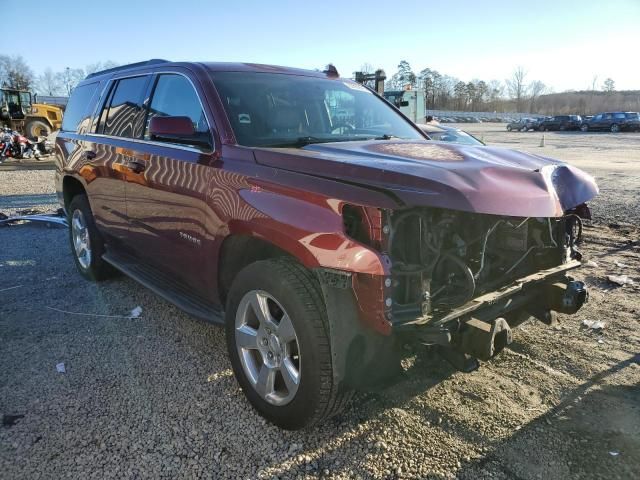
(486, 239)
(551, 233)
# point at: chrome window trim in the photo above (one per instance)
(107, 88)
(151, 142)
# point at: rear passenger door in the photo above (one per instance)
(166, 195)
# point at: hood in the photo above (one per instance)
(446, 175)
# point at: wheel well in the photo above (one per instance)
(70, 188)
(237, 252)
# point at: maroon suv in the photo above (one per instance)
(315, 221)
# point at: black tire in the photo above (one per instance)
(584, 128)
(509, 128)
(97, 269)
(317, 397)
(615, 128)
(37, 128)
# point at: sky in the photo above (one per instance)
(563, 43)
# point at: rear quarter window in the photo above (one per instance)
(79, 107)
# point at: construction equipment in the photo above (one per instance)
(18, 112)
(372, 80)
(410, 102)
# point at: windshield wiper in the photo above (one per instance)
(298, 142)
(386, 136)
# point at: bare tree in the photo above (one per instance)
(98, 66)
(48, 83)
(536, 89)
(609, 85)
(69, 78)
(517, 87)
(15, 73)
(366, 67)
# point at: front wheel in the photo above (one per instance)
(615, 128)
(279, 346)
(584, 128)
(509, 128)
(37, 128)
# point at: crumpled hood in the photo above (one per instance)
(475, 179)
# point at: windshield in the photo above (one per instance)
(276, 110)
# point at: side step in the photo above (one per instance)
(166, 287)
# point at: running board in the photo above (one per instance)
(166, 287)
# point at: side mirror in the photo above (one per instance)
(177, 129)
(161, 128)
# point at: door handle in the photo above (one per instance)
(136, 166)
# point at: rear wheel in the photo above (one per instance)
(523, 129)
(615, 128)
(37, 128)
(509, 128)
(584, 127)
(278, 343)
(86, 242)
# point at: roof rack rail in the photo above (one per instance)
(153, 61)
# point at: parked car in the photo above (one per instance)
(441, 133)
(523, 124)
(322, 243)
(561, 122)
(613, 122)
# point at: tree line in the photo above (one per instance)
(442, 91)
(16, 73)
(516, 93)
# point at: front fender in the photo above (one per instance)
(310, 230)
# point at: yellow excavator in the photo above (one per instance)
(18, 112)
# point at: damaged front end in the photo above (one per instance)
(461, 281)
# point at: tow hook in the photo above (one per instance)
(484, 340)
(567, 298)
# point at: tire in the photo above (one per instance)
(509, 128)
(283, 288)
(615, 128)
(37, 128)
(83, 231)
(584, 128)
(523, 129)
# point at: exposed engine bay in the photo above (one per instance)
(442, 259)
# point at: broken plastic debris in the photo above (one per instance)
(621, 280)
(620, 264)
(60, 367)
(591, 263)
(136, 312)
(594, 324)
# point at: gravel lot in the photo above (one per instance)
(154, 397)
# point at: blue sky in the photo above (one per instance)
(563, 43)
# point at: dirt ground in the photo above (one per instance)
(154, 397)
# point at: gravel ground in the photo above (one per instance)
(154, 397)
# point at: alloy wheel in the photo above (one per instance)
(268, 347)
(81, 240)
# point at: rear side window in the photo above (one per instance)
(122, 114)
(78, 110)
(619, 116)
(174, 96)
